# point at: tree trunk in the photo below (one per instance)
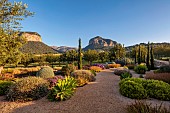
(1, 68)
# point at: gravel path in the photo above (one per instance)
(101, 96)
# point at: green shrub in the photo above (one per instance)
(144, 107)
(158, 89)
(163, 69)
(154, 88)
(45, 72)
(93, 72)
(140, 69)
(63, 90)
(125, 75)
(27, 89)
(120, 70)
(130, 66)
(133, 90)
(141, 76)
(83, 76)
(67, 70)
(137, 80)
(4, 86)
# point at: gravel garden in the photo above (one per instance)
(95, 89)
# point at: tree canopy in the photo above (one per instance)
(12, 13)
(10, 16)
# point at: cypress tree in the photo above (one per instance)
(148, 57)
(79, 55)
(135, 57)
(144, 58)
(152, 59)
(139, 56)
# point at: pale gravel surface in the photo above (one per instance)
(101, 96)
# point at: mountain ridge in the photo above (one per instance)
(100, 43)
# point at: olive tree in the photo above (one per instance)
(10, 16)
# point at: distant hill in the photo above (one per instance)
(34, 44)
(163, 44)
(63, 49)
(99, 43)
(36, 47)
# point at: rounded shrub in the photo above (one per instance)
(4, 86)
(67, 70)
(158, 89)
(45, 72)
(53, 81)
(163, 69)
(137, 80)
(114, 65)
(133, 90)
(95, 68)
(125, 75)
(120, 70)
(130, 66)
(27, 89)
(140, 69)
(153, 88)
(83, 76)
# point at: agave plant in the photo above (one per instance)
(63, 90)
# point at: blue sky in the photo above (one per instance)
(62, 22)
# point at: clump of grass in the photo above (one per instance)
(144, 107)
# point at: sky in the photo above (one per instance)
(63, 22)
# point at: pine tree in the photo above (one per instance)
(139, 55)
(148, 57)
(152, 57)
(79, 55)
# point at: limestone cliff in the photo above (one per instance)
(31, 36)
(100, 43)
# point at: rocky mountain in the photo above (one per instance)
(31, 36)
(35, 45)
(63, 49)
(99, 43)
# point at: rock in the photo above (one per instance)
(31, 36)
(100, 43)
(159, 63)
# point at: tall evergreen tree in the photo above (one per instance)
(79, 55)
(139, 55)
(148, 57)
(135, 56)
(152, 57)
